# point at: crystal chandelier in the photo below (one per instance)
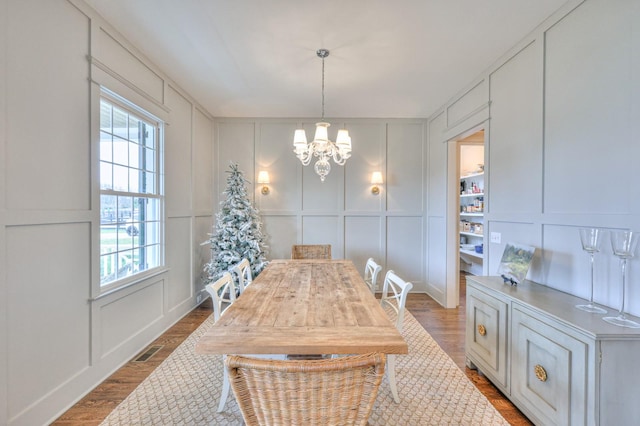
(321, 146)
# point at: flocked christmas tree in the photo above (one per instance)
(238, 231)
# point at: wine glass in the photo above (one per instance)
(624, 245)
(591, 239)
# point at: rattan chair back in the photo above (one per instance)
(338, 391)
(311, 251)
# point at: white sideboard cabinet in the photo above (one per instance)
(559, 365)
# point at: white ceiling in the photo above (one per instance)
(257, 58)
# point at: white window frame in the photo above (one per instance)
(158, 194)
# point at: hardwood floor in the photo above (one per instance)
(445, 325)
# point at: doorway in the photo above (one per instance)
(466, 209)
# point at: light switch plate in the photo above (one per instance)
(496, 237)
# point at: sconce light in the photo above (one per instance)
(263, 178)
(376, 179)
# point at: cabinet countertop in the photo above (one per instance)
(560, 306)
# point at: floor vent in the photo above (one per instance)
(148, 354)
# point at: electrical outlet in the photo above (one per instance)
(496, 237)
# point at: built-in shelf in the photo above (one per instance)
(472, 175)
(471, 234)
(478, 214)
(472, 194)
(471, 253)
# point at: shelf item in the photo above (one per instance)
(559, 365)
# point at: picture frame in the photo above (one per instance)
(515, 262)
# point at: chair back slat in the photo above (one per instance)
(311, 251)
(223, 294)
(242, 273)
(371, 271)
(394, 295)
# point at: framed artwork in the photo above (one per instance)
(515, 262)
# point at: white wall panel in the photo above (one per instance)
(202, 163)
(47, 108)
(472, 100)
(404, 247)
(48, 309)
(282, 233)
(405, 168)
(437, 168)
(120, 59)
(437, 258)
(177, 158)
(363, 239)
(515, 154)
(323, 230)
(125, 317)
(178, 248)
(587, 101)
(238, 147)
(368, 156)
(274, 154)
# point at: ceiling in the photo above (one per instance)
(257, 58)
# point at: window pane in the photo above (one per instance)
(108, 208)
(134, 155)
(150, 136)
(125, 264)
(134, 129)
(149, 162)
(106, 146)
(106, 176)
(149, 183)
(134, 180)
(108, 268)
(120, 151)
(152, 211)
(120, 178)
(109, 238)
(105, 116)
(120, 123)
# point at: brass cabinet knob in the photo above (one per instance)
(541, 373)
(482, 330)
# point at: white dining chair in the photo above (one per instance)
(371, 271)
(224, 285)
(394, 295)
(242, 272)
(223, 294)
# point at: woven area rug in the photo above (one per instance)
(185, 388)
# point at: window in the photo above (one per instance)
(131, 201)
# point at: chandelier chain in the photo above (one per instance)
(323, 87)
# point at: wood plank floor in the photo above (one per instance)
(445, 325)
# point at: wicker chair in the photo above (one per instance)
(394, 295)
(311, 251)
(326, 392)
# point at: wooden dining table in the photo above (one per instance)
(304, 307)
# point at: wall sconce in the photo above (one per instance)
(263, 178)
(376, 179)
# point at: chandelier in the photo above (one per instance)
(321, 146)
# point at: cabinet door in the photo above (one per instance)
(486, 333)
(548, 371)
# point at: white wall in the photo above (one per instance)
(340, 211)
(562, 142)
(59, 335)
